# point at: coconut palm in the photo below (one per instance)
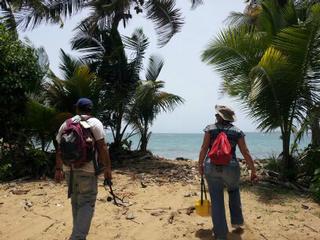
(103, 13)
(150, 100)
(118, 70)
(77, 81)
(25, 13)
(271, 68)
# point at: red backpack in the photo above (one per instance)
(221, 151)
(77, 144)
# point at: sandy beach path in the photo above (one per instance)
(159, 209)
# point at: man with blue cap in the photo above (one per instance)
(81, 170)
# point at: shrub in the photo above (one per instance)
(309, 160)
(20, 74)
(315, 185)
(29, 162)
(273, 164)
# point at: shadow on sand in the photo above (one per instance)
(206, 234)
(268, 193)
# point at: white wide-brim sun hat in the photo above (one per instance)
(226, 113)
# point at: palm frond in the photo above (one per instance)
(167, 18)
(168, 101)
(154, 67)
(238, 19)
(35, 12)
(68, 65)
(89, 40)
(137, 43)
(230, 55)
(7, 18)
(81, 82)
(271, 97)
(196, 3)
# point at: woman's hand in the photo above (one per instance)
(201, 169)
(254, 178)
(58, 175)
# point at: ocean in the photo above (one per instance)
(173, 145)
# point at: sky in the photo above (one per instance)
(184, 73)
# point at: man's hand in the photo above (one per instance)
(58, 175)
(107, 174)
(107, 182)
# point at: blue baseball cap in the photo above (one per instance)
(84, 103)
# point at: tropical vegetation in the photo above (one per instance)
(149, 101)
(108, 72)
(268, 58)
(21, 77)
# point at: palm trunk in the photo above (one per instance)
(118, 136)
(288, 171)
(286, 150)
(144, 137)
(315, 130)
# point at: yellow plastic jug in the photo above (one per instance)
(203, 206)
(204, 209)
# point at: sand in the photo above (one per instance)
(157, 209)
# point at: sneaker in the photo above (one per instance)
(219, 238)
(237, 226)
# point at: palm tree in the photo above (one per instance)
(78, 81)
(105, 53)
(103, 13)
(149, 101)
(271, 68)
(25, 13)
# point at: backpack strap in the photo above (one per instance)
(69, 122)
(85, 118)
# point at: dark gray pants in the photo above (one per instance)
(83, 199)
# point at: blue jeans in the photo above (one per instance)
(218, 177)
(83, 199)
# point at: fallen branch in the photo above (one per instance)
(310, 228)
(263, 236)
(284, 236)
(132, 220)
(159, 208)
(46, 230)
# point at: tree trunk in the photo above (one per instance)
(144, 137)
(315, 131)
(118, 138)
(288, 165)
(286, 150)
(43, 145)
(143, 146)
